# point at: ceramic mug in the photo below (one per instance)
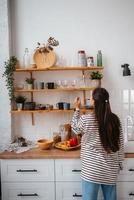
(41, 85)
(50, 85)
(66, 106)
(60, 105)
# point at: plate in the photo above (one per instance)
(44, 60)
(60, 145)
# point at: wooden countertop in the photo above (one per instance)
(47, 154)
(41, 154)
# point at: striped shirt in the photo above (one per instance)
(98, 166)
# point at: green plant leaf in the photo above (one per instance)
(10, 66)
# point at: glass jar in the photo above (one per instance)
(90, 61)
(82, 58)
(26, 58)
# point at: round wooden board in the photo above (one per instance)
(44, 60)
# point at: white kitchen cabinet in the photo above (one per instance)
(59, 179)
(67, 169)
(27, 170)
(125, 190)
(28, 190)
(68, 181)
(127, 174)
(68, 190)
(28, 179)
(125, 184)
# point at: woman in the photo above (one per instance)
(101, 146)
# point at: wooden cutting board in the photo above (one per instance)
(44, 60)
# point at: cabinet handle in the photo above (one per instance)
(76, 170)
(26, 170)
(27, 195)
(131, 170)
(131, 194)
(77, 195)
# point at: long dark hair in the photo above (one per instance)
(109, 124)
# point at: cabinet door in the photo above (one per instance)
(125, 190)
(127, 174)
(68, 169)
(71, 191)
(68, 191)
(27, 170)
(28, 191)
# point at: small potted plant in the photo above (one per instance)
(96, 77)
(30, 83)
(20, 99)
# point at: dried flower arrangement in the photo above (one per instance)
(45, 48)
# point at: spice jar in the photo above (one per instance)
(82, 58)
(90, 61)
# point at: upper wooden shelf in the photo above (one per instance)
(57, 68)
(53, 90)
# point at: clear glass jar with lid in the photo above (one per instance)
(82, 61)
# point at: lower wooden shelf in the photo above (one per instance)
(47, 110)
(32, 112)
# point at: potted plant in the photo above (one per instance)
(10, 66)
(20, 99)
(96, 77)
(30, 82)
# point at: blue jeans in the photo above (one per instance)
(90, 191)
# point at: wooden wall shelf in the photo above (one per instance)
(33, 69)
(57, 68)
(53, 90)
(47, 110)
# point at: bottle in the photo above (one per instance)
(99, 58)
(26, 58)
(82, 58)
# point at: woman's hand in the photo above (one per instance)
(77, 103)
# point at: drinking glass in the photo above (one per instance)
(73, 83)
(59, 84)
(65, 83)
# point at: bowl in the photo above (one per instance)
(45, 144)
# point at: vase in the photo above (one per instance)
(19, 106)
(44, 60)
(29, 86)
(96, 83)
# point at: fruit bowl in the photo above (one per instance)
(64, 146)
(45, 144)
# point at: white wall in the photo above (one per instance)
(5, 118)
(89, 25)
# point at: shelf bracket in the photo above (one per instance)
(33, 121)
